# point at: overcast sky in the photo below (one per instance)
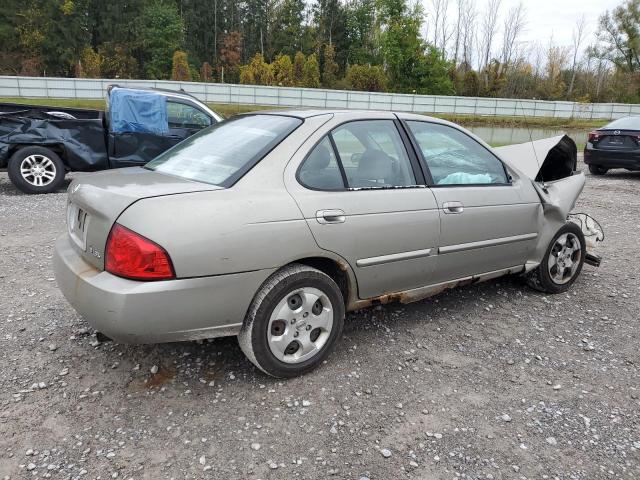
(544, 19)
(558, 17)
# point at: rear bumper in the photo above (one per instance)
(154, 312)
(612, 159)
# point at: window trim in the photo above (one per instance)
(414, 161)
(425, 165)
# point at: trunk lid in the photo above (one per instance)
(96, 201)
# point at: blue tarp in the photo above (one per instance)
(137, 111)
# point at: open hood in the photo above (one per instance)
(543, 160)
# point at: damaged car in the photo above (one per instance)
(270, 226)
(38, 145)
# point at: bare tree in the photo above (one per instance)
(579, 33)
(488, 32)
(456, 50)
(441, 29)
(468, 34)
(514, 25)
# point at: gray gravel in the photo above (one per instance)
(490, 381)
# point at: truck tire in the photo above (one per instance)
(36, 170)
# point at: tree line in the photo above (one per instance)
(464, 47)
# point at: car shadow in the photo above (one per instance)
(7, 188)
(221, 361)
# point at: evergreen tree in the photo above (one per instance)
(161, 34)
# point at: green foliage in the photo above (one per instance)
(90, 64)
(311, 72)
(161, 34)
(298, 67)
(257, 72)
(620, 32)
(180, 67)
(116, 61)
(283, 71)
(367, 78)
(329, 67)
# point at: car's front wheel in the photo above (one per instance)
(598, 170)
(293, 321)
(36, 170)
(562, 262)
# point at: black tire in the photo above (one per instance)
(541, 279)
(598, 170)
(254, 335)
(55, 167)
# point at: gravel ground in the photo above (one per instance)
(490, 381)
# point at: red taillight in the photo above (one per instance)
(133, 256)
(594, 136)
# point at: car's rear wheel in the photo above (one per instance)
(293, 321)
(562, 263)
(598, 170)
(36, 170)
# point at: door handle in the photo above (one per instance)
(330, 216)
(453, 207)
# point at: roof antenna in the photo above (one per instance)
(535, 154)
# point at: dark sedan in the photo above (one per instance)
(616, 145)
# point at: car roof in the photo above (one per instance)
(308, 113)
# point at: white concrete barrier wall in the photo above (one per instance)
(86, 88)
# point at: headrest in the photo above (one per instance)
(319, 158)
(375, 165)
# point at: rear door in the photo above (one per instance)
(363, 196)
(488, 219)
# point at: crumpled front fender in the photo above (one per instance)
(558, 199)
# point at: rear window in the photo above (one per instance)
(224, 152)
(626, 123)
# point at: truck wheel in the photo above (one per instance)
(36, 170)
(597, 170)
(562, 263)
(293, 321)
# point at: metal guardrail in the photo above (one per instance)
(85, 88)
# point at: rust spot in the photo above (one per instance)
(160, 378)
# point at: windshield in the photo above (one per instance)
(626, 123)
(223, 153)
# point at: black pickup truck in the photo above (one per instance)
(38, 145)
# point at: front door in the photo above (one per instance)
(488, 219)
(363, 196)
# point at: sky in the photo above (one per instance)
(558, 17)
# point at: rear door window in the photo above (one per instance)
(181, 115)
(373, 154)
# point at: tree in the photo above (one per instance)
(283, 71)
(180, 67)
(311, 72)
(206, 72)
(361, 32)
(230, 57)
(489, 30)
(288, 27)
(367, 78)
(117, 62)
(298, 67)
(329, 67)
(619, 31)
(578, 38)
(161, 34)
(90, 64)
(257, 72)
